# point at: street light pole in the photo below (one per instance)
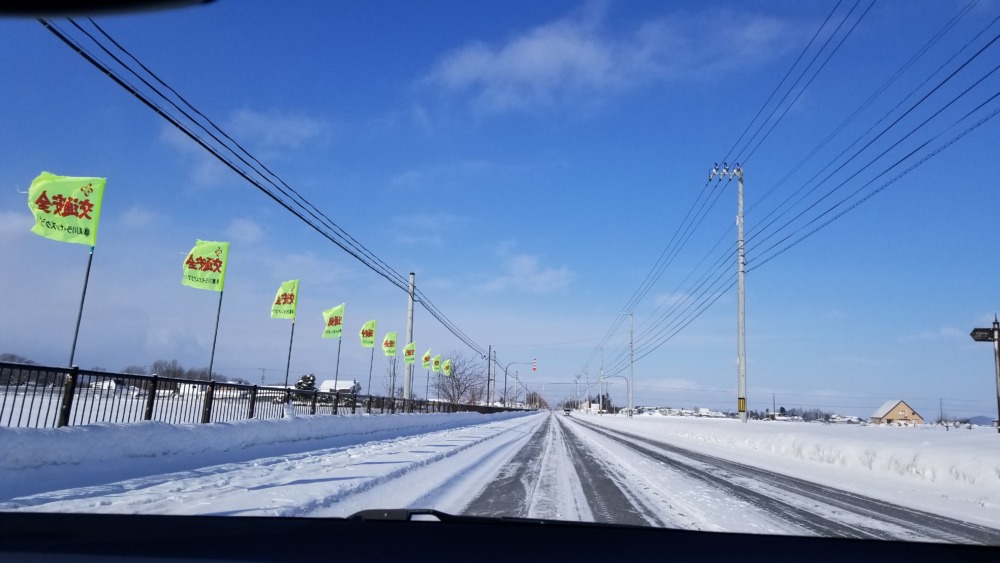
(987, 335)
(505, 377)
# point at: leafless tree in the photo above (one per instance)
(391, 383)
(467, 382)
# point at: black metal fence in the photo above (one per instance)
(33, 396)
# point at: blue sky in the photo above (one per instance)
(529, 162)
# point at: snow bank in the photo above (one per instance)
(23, 448)
(917, 466)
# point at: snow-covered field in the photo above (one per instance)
(334, 466)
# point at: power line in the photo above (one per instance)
(298, 205)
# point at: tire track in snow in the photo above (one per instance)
(507, 494)
(831, 511)
(608, 496)
(792, 514)
(280, 486)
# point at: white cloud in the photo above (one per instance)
(943, 333)
(206, 170)
(429, 229)
(15, 223)
(273, 130)
(267, 135)
(581, 59)
(524, 273)
(245, 231)
(445, 175)
(137, 217)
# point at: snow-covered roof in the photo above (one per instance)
(885, 408)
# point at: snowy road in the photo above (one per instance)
(808, 508)
(537, 466)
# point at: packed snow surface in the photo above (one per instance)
(333, 466)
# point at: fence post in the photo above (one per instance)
(253, 401)
(354, 403)
(312, 409)
(150, 398)
(69, 389)
(336, 402)
(206, 411)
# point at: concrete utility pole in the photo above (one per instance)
(600, 389)
(631, 407)
(408, 380)
(741, 398)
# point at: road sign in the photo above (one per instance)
(982, 334)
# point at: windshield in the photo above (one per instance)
(709, 266)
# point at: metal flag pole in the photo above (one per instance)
(215, 337)
(288, 364)
(427, 386)
(336, 370)
(370, 362)
(79, 314)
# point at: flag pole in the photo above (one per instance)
(427, 387)
(79, 314)
(215, 337)
(370, 362)
(336, 370)
(288, 365)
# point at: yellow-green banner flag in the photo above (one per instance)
(286, 300)
(368, 334)
(446, 368)
(436, 364)
(410, 353)
(427, 359)
(66, 208)
(205, 267)
(389, 344)
(333, 320)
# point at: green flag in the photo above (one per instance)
(66, 208)
(436, 364)
(205, 267)
(286, 300)
(446, 368)
(333, 320)
(410, 353)
(389, 344)
(368, 334)
(427, 359)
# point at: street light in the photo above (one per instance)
(505, 378)
(628, 388)
(992, 335)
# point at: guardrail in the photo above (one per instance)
(33, 396)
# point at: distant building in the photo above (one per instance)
(898, 413)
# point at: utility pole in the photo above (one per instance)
(489, 357)
(408, 380)
(631, 381)
(600, 388)
(741, 398)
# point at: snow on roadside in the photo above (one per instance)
(954, 472)
(34, 460)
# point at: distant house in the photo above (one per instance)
(896, 412)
